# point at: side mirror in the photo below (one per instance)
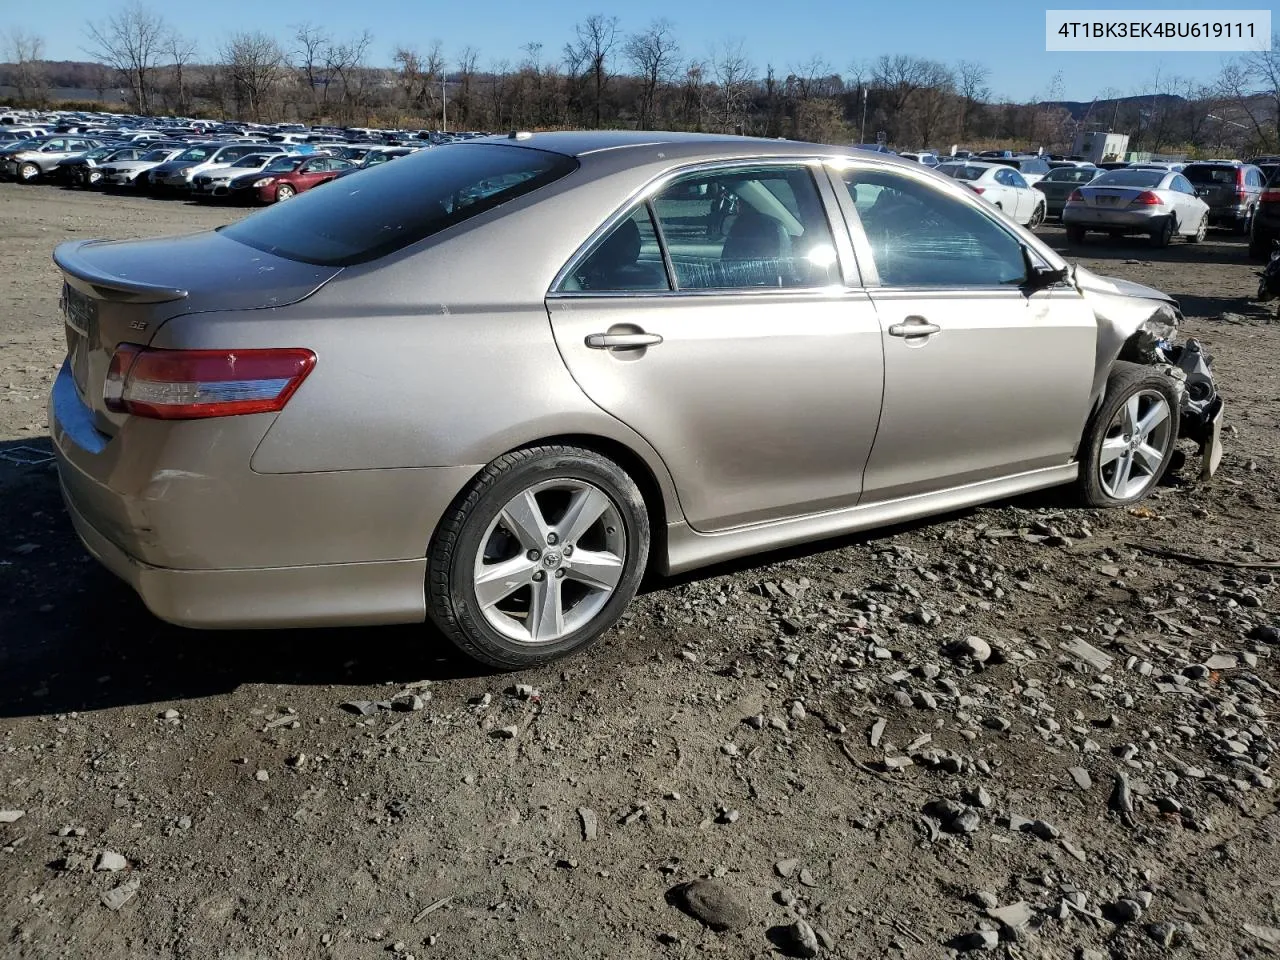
(1039, 276)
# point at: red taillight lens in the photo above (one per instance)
(978, 189)
(193, 384)
(1270, 196)
(1075, 197)
(1240, 187)
(1146, 199)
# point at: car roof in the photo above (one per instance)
(685, 146)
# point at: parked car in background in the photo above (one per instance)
(1031, 168)
(925, 159)
(1231, 189)
(1158, 203)
(84, 169)
(29, 160)
(1058, 184)
(216, 183)
(127, 173)
(1170, 165)
(1113, 164)
(1266, 221)
(310, 173)
(176, 174)
(244, 188)
(377, 158)
(1002, 187)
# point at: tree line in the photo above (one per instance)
(605, 76)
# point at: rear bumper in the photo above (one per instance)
(1092, 217)
(340, 594)
(176, 511)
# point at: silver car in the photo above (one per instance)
(494, 382)
(30, 160)
(1159, 203)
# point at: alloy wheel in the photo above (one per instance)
(1135, 445)
(549, 561)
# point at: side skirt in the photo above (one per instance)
(688, 549)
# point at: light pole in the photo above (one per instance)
(444, 118)
(862, 131)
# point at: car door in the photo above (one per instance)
(1190, 208)
(982, 379)
(716, 320)
(1009, 196)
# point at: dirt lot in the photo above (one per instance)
(786, 726)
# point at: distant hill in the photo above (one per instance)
(1102, 109)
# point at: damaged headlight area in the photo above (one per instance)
(1155, 343)
(1140, 324)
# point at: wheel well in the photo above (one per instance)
(636, 468)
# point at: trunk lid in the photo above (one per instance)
(1111, 198)
(123, 291)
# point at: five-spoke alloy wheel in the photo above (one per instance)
(538, 557)
(1130, 438)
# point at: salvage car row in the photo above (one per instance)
(210, 170)
(1161, 201)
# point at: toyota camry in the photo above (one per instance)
(494, 382)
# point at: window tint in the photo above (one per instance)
(1130, 178)
(628, 258)
(961, 171)
(1072, 175)
(366, 217)
(747, 227)
(1210, 173)
(920, 236)
(1016, 180)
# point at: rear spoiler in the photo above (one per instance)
(70, 258)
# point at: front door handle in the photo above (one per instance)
(914, 327)
(612, 341)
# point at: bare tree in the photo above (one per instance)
(25, 51)
(1264, 67)
(934, 104)
(311, 56)
(590, 52)
(256, 65)
(734, 75)
(131, 42)
(971, 84)
(180, 51)
(653, 53)
(420, 76)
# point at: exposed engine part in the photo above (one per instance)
(1269, 280)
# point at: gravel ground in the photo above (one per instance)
(1024, 729)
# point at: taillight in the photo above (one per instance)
(1146, 199)
(1270, 196)
(193, 384)
(1240, 189)
(978, 189)
(1075, 197)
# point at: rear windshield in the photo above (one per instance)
(362, 218)
(961, 171)
(1130, 178)
(1072, 175)
(1208, 173)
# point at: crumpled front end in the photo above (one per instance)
(1140, 324)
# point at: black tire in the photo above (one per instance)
(1037, 217)
(1245, 227)
(285, 192)
(28, 173)
(450, 587)
(1126, 379)
(1164, 235)
(1201, 230)
(1075, 234)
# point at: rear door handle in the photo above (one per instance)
(914, 327)
(611, 341)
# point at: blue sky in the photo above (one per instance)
(1006, 35)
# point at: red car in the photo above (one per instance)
(311, 172)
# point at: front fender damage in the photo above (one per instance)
(1140, 325)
